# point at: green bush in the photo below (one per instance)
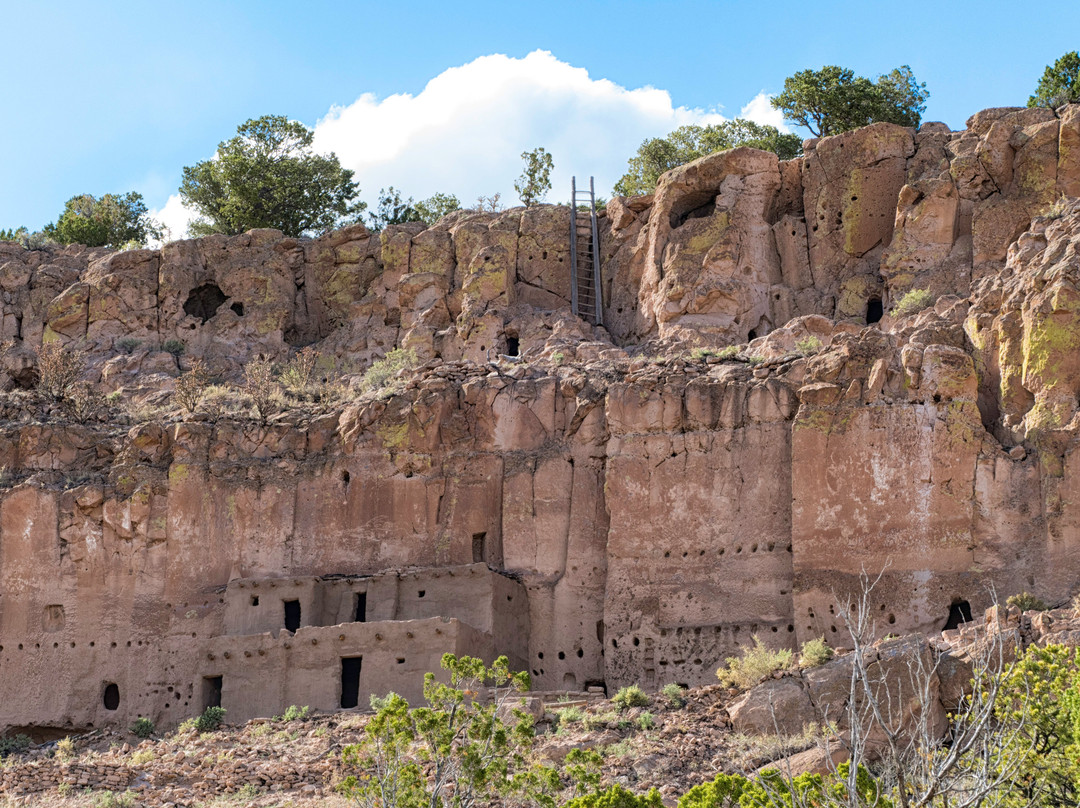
(723, 792)
(1027, 602)
(630, 696)
(808, 346)
(293, 713)
(913, 300)
(128, 344)
(211, 719)
(754, 665)
(618, 797)
(675, 694)
(570, 715)
(173, 346)
(17, 744)
(382, 372)
(815, 652)
(646, 721)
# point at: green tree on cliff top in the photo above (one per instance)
(834, 100)
(268, 176)
(687, 143)
(1060, 83)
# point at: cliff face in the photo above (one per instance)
(656, 505)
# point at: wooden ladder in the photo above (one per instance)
(585, 298)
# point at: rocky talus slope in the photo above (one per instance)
(760, 419)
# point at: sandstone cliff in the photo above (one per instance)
(628, 504)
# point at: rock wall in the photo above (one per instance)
(656, 500)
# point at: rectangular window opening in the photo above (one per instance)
(350, 681)
(360, 607)
(211, 691)
(292, 615)
(479, 548)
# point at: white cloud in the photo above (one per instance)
(760, 110)
(174, 216)
(465, 131)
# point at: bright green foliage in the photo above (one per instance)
(630, 696)
(1027, 602)
(582, 768)
(211, 719)
(815, 652)
(268, 176)
(392, 209)
(723, 792)
(435, 207)
(293, 713)
(618, 797)
(774, 789)
(142, 728)
(382, 371)
(111, 221)
(834, 100)
(1041, 698)
(757, 662)
(1060, 83)
(809, 345)
(912, 301)
(535, 181)
(675, 694)
(454, 751)
(688, 143)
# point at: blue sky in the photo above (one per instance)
(111, 97)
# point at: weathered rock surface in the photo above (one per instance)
(658, 505)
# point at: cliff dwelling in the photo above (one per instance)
(765, 413)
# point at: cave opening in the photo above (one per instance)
(513, 346)
(204, 301)
(959, 612)
(874, 310)
(111, 697)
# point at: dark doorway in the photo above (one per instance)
(479, 542)
(959, 612)
(513, 346)
(204, 301)
(111, 697)
(874, 311)
(211, 691)
(238, 308)
(751, 335)
(360, 610)
(292, 615)
(350, 681)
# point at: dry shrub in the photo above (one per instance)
(191, 386)
(259, 383)
(755, 664)
(58, 369)
(299, 371)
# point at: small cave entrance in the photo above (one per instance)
(751, 335)
(693, 206)
(350, 681)
(110, 698)
(238, 309)
(874, 310)
(211, 691)
(959, 612)
(292, 615)
(360, 607)
(513, 346)
(479, 548)
(204, 301)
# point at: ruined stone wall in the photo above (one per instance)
(656, 500)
